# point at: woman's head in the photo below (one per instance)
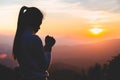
(31, 18)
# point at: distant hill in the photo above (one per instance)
(6, 73)
(75, 56)
(67, 61)
(6, 49)
(85, 55)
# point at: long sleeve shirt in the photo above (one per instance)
(32, 58)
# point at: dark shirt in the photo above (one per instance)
(32, 58)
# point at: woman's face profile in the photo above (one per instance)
(35, 30)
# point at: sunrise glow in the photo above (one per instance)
(74, 19)
(3, 55)
(96, 30)
(87, 34)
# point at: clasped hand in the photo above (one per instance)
(49, 42)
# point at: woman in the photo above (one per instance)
(28, 50)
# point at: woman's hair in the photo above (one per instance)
(28, 17)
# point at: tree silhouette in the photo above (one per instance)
(95, 73)
(109, 71)
(114, 68)
(105, 69)
(83, 75)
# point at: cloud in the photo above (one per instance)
(100, 5)
(93, 11)
(15, 2)
(7, 2)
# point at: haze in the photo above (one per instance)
(69, 21)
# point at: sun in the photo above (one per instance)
(96, 30)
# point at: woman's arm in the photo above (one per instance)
(44, 53)
(49, 42)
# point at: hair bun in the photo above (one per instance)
(25, 7)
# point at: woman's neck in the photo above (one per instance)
(29, 30)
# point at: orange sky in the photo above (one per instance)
(66, 21)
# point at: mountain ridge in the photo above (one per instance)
(85, 55)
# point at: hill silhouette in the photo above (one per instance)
(109, 71)
(6, 73)
(82, 55)
(86, 55)
(68, 62)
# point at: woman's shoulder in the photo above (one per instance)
(36, 38)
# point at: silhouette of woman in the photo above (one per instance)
(28, 50)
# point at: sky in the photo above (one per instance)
(69, 21)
